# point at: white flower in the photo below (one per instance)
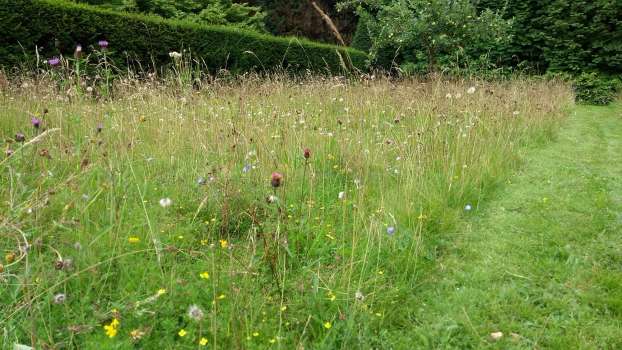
(496, 335)
(59, 298)
(89, 89)
(468, 207)
(359, 296)
(195, 312)
(471, 90)
(165, 202)
(174, 54)
(448, 96)
(342, 195)
(515, 113)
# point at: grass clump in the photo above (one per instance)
(155, 219)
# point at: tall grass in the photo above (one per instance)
(294, 266)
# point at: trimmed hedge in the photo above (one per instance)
(55, 27)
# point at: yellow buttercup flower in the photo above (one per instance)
(161, 291)
(204, 275)
(112, 328)
(328, 325)
(133, 239)
(203, 341)
(223, 243)
(182, 333)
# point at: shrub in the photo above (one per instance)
(55, 27)
(594, 88)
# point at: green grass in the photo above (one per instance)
(307, 271)
(543, 260)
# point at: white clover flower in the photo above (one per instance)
(195, 312)
(468, 207)
(165, 202)
(342, 195)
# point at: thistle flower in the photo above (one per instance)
(36, 122)
(277, 178)
(103, 44)
(307, 153)
(59, 298)
(165, 202)
(54, 61)
(390, 230)
(20, 137)
(195, 312)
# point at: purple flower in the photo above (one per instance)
(9, 152)
(247, 168)
(36, 122)
(390, 230)
(103, 44)
(55, 61)
(20, 137)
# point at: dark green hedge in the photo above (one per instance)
(55, 27)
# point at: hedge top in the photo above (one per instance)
(56, 26)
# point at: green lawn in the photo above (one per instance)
(542, 262)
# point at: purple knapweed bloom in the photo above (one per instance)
(20, 137)
(102, 44)
(36, 122)
(55, 61)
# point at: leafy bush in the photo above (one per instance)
(432, 34)
(55, 27)
(594, 88)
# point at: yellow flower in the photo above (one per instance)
(283, 308)
(255, 334)
(204, 242)
(182, 332)
(272, 341)
(161, 291)
(203, 341)
(224, 243)
(328, 325)
(222, 296)
(204, 275)
(331, 296)
(111, 329)
(142, 118)
(133, 239)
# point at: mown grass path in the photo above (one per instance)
(542, 263)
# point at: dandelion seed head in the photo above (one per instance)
(165, 202)
(195, 312)
(59, 298)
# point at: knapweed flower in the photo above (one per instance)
(20, 137)
(165, 202)
(182, 333)
(390, 230)
(306, 153)
(468, 207)
(103, 44)
(36, 122)
(9, 152)
(112, 328)
(195, 312)
(204, 275)
(59, 298)
(276, 180)
(54, 61)
(471, 90)
(203, 341)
